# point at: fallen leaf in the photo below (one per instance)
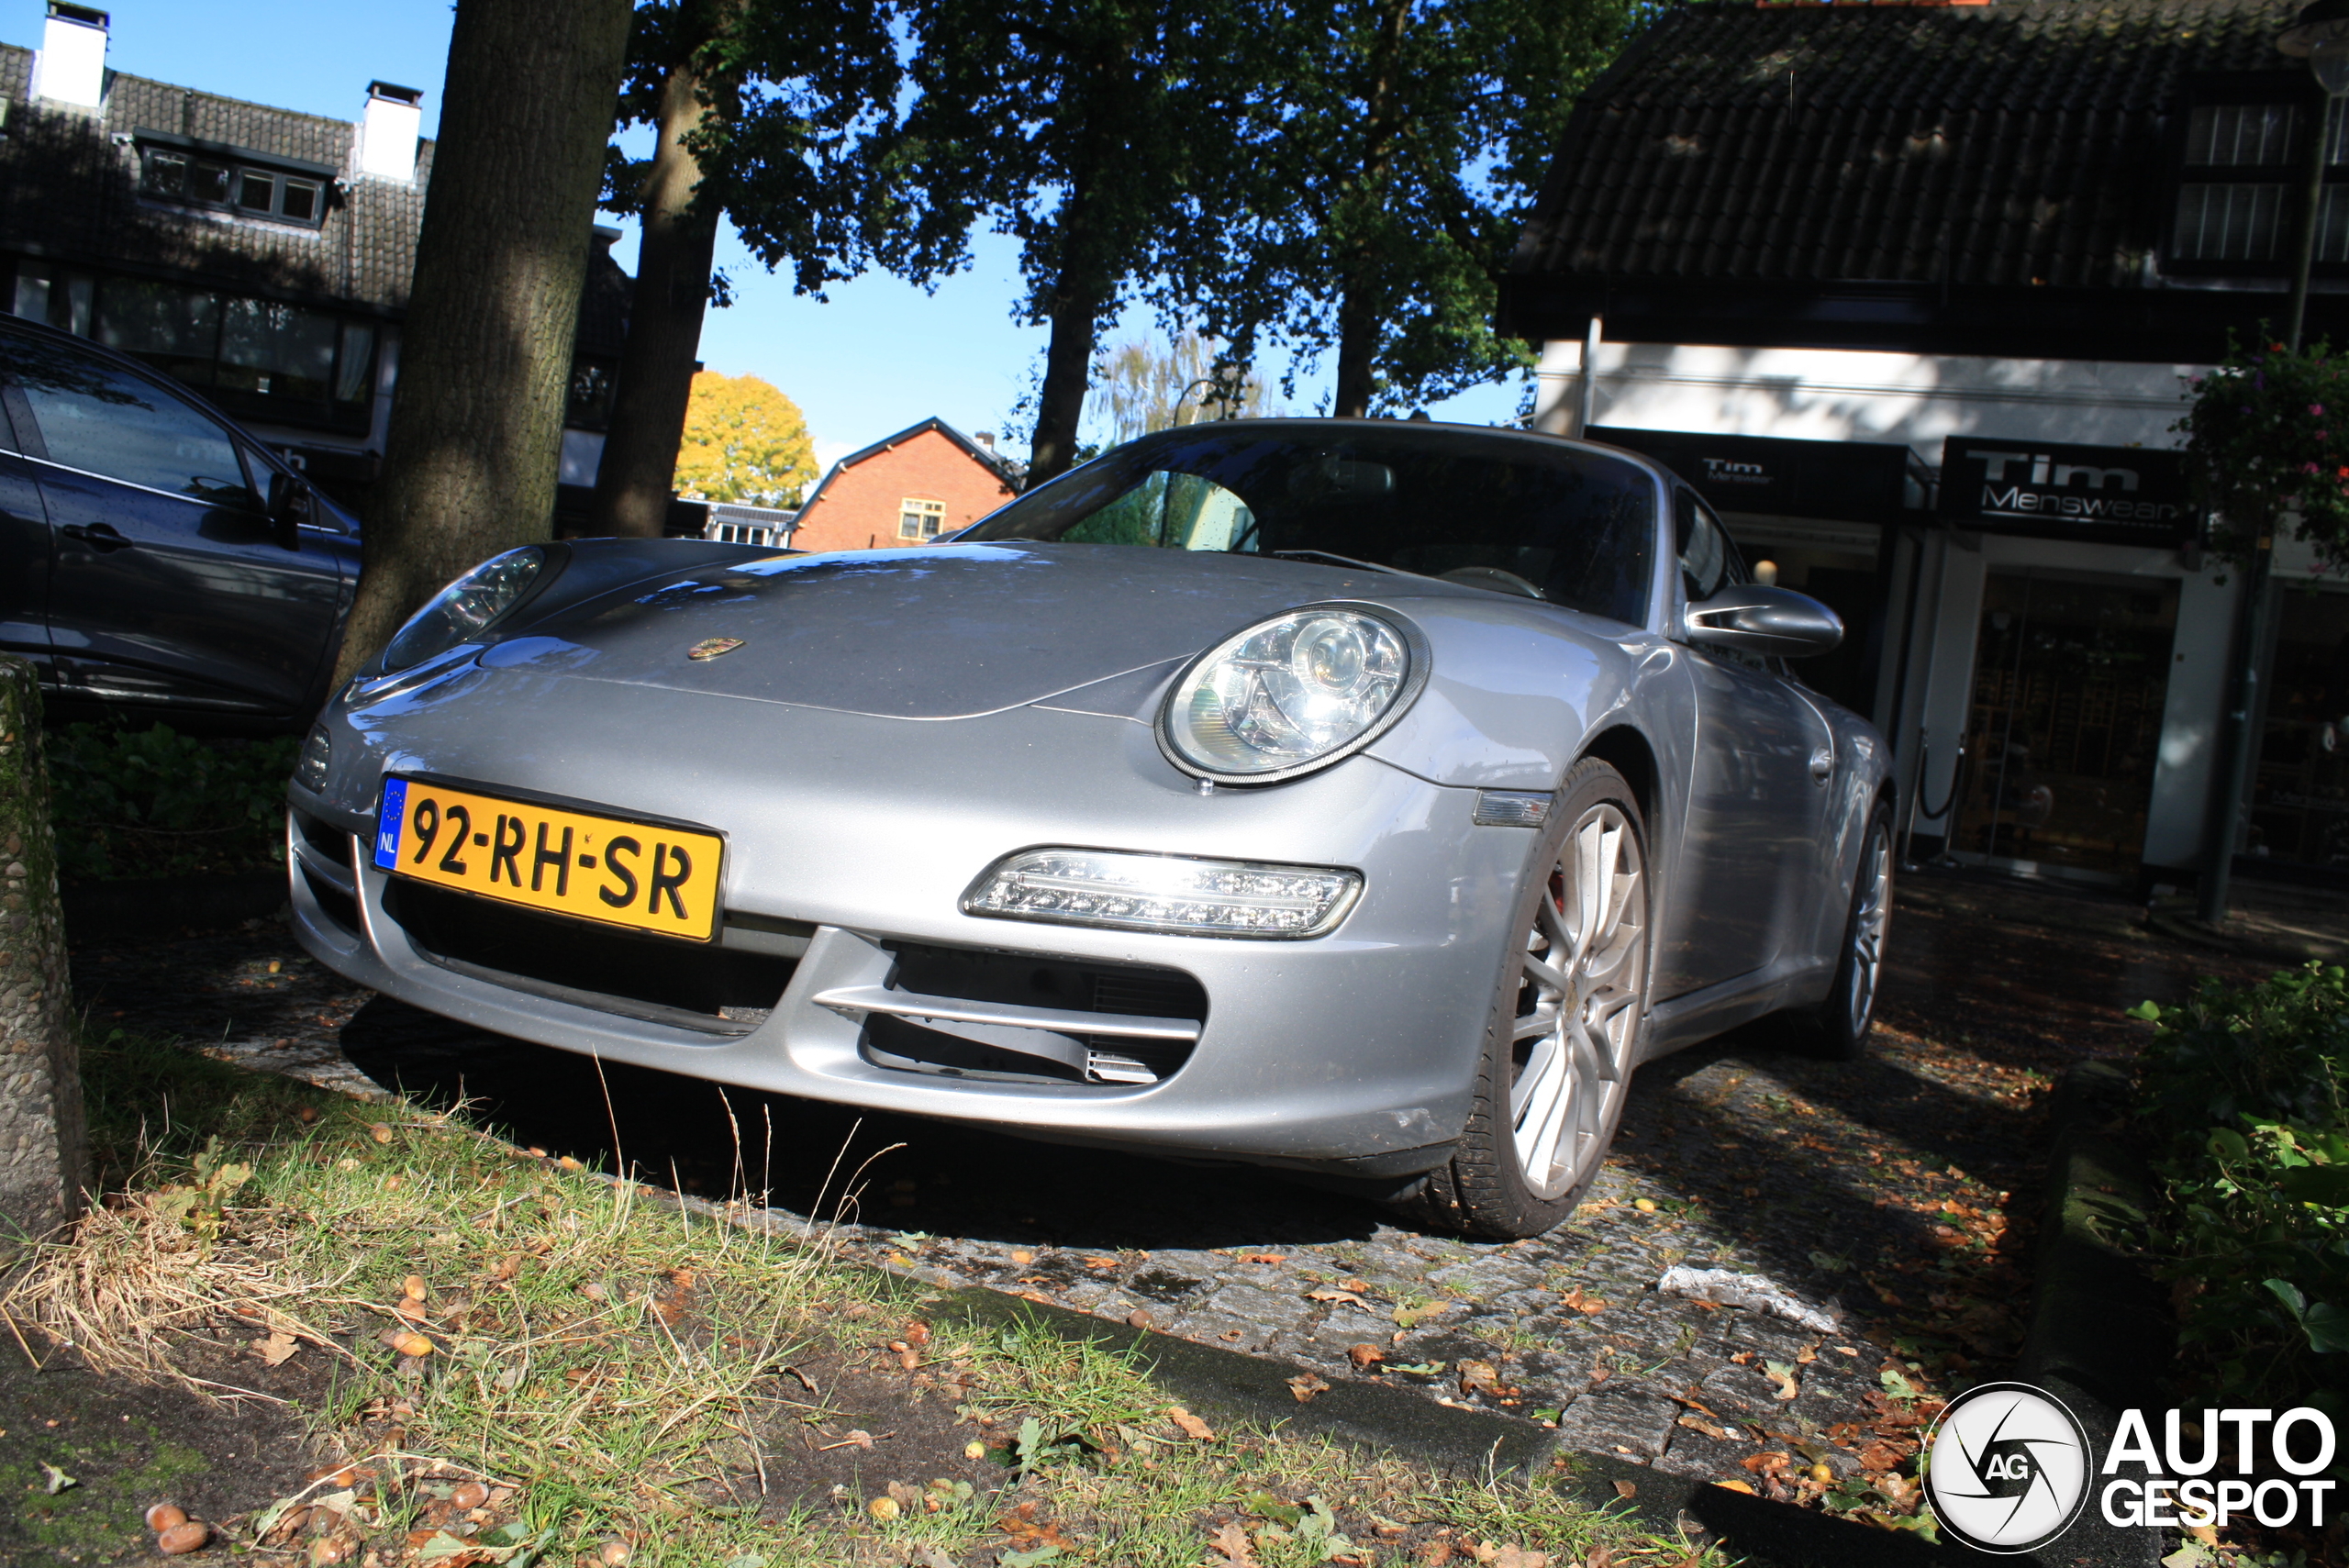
(1233, 1542)
(1333, 1295)
(1627, 1490)
(1263, 1257)
(857, 1438)
(1479, 1377)
(1306, 1385)
(1021, 1255)
(58, 1479)
(277, 1349)
(1783, 1375)
(1365, 1356)
(1698, 1424)
(1192, 1426)
(1735, 1486)
(1516, 1556)
(1586, 1305)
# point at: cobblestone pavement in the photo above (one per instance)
(1894, 1196)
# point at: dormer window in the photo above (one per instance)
(190, 175)
(2240, 184)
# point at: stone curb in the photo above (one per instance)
(2100, 1335)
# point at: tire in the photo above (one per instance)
(1551, 1079)
(1837, 1028)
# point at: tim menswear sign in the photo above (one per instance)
(1859, 482)
(2110, 494)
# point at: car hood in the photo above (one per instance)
(944, 631)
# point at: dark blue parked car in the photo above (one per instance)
(156, 559)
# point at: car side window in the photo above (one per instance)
(1708, 562)
(105, 420)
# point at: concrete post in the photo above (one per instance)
(43, 1154)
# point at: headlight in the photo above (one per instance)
(466, 607)
(1165, 892)
(1292, 694)
(317, 753)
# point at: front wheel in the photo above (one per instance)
(1566, 1025)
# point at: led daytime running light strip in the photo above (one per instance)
(1166, 893)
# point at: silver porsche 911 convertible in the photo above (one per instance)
(1358, 798)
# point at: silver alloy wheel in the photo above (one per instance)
(1871, 917)
(1578, 1005)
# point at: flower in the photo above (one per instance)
(2311, 468)
(2317, 408)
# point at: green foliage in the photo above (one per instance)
(2266, 434)
(1397, 150)
(151, 803)
(2244, 1094)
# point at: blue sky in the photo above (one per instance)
(879, 356)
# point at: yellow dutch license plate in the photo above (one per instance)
(650, 877)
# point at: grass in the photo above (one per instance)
(611, 1375)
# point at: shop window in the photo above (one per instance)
(2299, 803)
(2070, 679)
(920, 519)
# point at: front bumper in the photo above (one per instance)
(1353, 1051)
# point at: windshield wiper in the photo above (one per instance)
(1341, 560)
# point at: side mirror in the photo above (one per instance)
(1774, 622)
(292, 503)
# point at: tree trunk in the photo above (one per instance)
(638, 470)
(477, 433)
(1362, 301)
(1068, 369)
(1357, 349)
(43, 1162)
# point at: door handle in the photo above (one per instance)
(100, 537)
(1823, 765)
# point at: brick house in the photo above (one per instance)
(259, 254)
(925, 481)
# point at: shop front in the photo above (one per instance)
(2079, 719)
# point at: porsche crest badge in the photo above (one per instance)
(711, 647)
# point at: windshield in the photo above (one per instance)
(1517, 515)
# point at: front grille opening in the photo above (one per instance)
(993, 1052)
(333, 902)
(324, 837)
(710, 988)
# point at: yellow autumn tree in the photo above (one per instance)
(744, 441)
